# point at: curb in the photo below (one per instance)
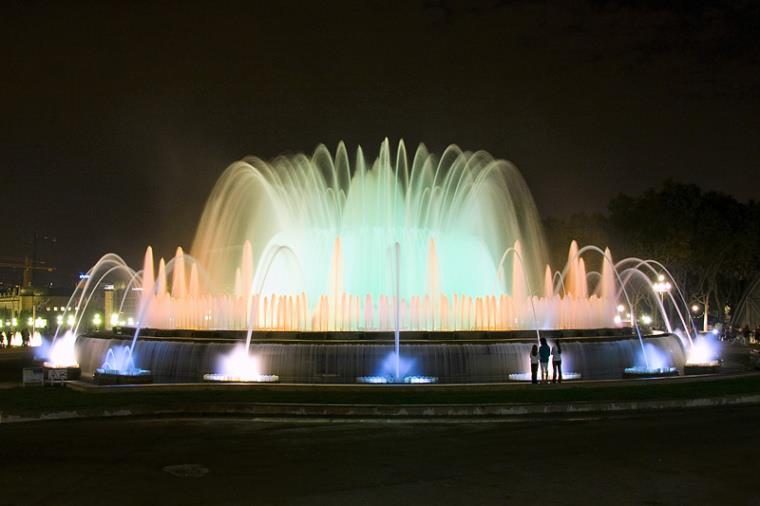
(88, 387)
(407, 413)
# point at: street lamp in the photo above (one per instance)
(661, 287)
(700, 309)
(96, 320)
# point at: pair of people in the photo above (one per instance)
(539, 355)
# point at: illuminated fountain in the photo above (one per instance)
(306, 253)
(16, 340)
(704, 355)
(119, 367)
(651, 363)
(62, 351)
(240, 366)
(61, 354)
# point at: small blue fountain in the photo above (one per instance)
(651, 363)
(119, 368)
(396, 369)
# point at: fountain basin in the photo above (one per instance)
(709, 367)
(228, 378)
(649, 372)
(385, 380)
(526, 376)
(122, 377)
(324, 357)
(72, 371)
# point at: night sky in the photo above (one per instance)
(118, 117)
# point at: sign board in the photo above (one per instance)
(57, 376)
(33, 376)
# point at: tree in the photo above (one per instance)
(708, 240)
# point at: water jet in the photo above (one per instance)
(321, 267)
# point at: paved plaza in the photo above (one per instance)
(690, 457)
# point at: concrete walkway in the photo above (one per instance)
(450, 412)
(664, 458)
(401, 413)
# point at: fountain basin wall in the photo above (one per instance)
(307, 358)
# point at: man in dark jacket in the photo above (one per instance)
(543, 356)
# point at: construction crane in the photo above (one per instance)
(28, 265)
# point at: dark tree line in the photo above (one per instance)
(708, 240)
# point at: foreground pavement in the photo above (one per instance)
(691, 457)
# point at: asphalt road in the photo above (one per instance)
(692, 457)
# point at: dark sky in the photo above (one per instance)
(117, 117)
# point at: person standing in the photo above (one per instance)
(543, 357)
(557, 363)
(534, 364)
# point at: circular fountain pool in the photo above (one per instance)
(342, 357)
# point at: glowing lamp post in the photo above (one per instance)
(661, 287)
(699, 309)
(97, 321)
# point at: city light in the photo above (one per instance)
(96, 320)
(70, 320)
(59, 320)
(661, 286)
(695, 308)
(114, 319)
(620, 308)
(646, 319)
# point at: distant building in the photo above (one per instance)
(19, 304)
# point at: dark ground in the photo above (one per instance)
(694, 457)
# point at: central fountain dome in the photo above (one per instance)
(311, 269)
(309, 243)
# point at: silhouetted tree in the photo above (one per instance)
(709, 241)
